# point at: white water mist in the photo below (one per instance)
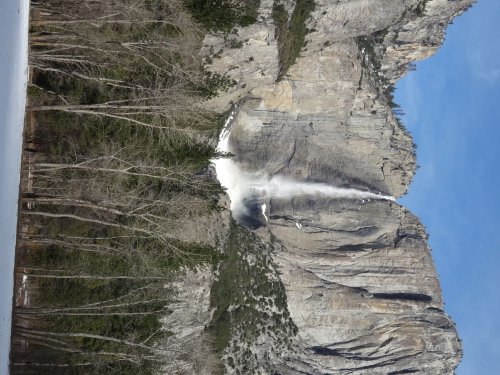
(241, 185)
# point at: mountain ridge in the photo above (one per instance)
(359, 279)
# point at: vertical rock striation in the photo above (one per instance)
(359, 279)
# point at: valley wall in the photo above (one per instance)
(360, 284)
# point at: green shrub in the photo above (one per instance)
(224, 15)
(291, 33)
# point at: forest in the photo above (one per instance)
(115, 167)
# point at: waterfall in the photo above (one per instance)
(242, 186)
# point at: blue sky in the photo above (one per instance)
(452, 105)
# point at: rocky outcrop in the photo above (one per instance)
(362, 289)
(418, 36)
(190, 345)
(359, 279)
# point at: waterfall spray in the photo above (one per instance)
(242, 186)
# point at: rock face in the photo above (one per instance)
(190, 308)
(358, 275)
(362, 288)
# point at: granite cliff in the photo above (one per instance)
(328, 285)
